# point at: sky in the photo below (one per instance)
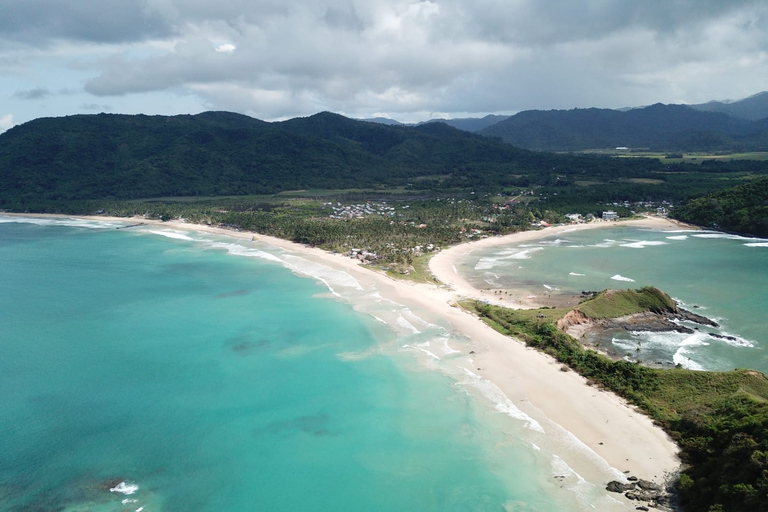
(404, 59)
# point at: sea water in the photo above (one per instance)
(146, 370)
(718, 275)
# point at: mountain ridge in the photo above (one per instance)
(657, 127)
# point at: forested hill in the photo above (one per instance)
(657, 127)
(220, 153)
(742, 209)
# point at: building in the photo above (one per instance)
(610, 215)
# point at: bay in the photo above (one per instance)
(159, 370)
(718, 275)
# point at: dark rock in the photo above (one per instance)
(632, 478)
(648, 496)
(615, 486)
(642, 508)
(682, 314)
(648, 486)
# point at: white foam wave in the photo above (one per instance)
(402, 322)
(551, 288)
(607, 242)
(619, 277)
(726, 236)
(557, 241)
(328, 275)
(240, 250)
(430, 354)
(66, 221)
(560, 467)
(523, 255)
(643, 244)
(661, 341)
(125, 488)
(735, 341)
(576, 274)
(757, 244)
(502, 404)
(485, 264)
(447, 349)
(516, 253)
(172, 234)
(678, 237)
(684, 353)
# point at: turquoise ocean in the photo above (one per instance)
(721, 276)
(150, 370)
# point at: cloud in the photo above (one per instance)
(226, 48)
(6, 122)
(33, 94)
(40, 22)
(274, 59)
(95, 107)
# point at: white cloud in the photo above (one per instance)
(6, 122)
(226, 48)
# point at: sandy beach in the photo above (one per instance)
(620, 436)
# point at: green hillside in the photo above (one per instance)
(742, 209)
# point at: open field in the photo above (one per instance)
(675, 158)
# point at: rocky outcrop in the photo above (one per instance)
(652, 494)
(576, 323)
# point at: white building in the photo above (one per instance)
(610, 215)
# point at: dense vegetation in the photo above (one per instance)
(49, 161)
(396, 228)
(658, 127)
(719, 419)
(741, 209)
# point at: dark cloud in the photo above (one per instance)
(33, 94)
(39, 22)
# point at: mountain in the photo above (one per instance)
(753, 108)
(220, 153)
(657, 127)
(383, 120)
(467, 124)
(471, 124)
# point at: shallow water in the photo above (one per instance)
(721, 276)
(158, 370)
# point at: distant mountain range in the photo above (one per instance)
(753, 108)
(658, 127)
(715, 126)
(468, 124)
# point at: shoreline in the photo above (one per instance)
(443, 268)
(611, 428)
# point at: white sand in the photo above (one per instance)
(606, 424)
